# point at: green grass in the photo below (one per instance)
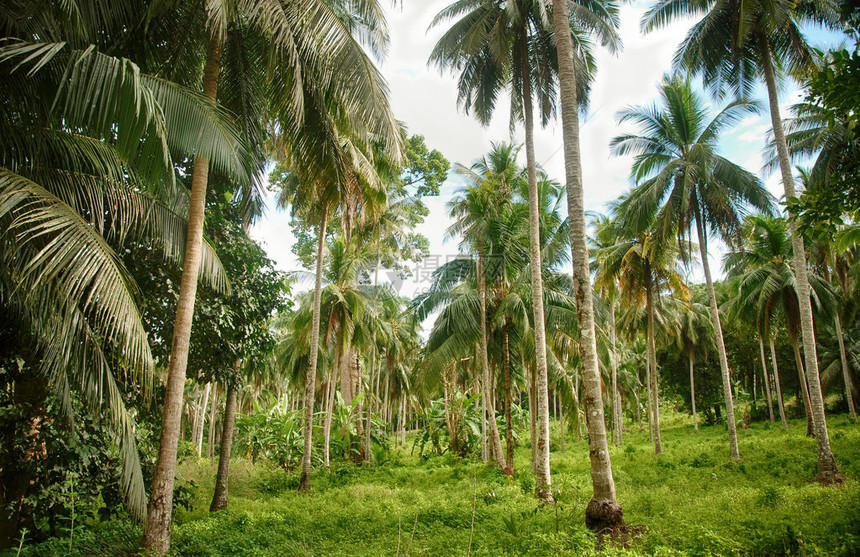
(691, 500)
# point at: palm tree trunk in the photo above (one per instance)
(779, 399)
(509, 426)
(827, 469)
(801, 381)
(766, 380)
(613, 361)
(652, 367)
(692, 358)
(485, 454)
(846, 377)
(489, 392)
(543, 480)
(533, 418)
(156, 535)
(714, 310)
(213, 414)
(603, 510)
(201, 421)
(219, 499)
(311, 379)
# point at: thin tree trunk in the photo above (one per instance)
(779, 399)
(202, 419)
(561, 422)
(485, 453)
(714, 310)
(156, 535)
(846, 377)
(827, 469)
(801, 381)
(652, 358)
(489, 392)
(648, 398)
(766, 380)
(509, 426)
(311, 379)
(692, 358)
(543, 480)
(533, 417)
(213, 414)
(219, 499)
(613, 361)
(603, 510)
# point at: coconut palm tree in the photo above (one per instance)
(499, 45)
(598, 19)
(764, 282)
(87, 166)
(644, 267)
(682, 178)
(733, 45)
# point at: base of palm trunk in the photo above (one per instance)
(829, 474)
(544, 494)
(305, 483)
(606, 519)
(507, 471)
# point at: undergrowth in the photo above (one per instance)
(692, 500)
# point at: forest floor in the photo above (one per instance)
(691, 500)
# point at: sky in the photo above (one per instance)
(426, 101)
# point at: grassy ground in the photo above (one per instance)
(692, 500)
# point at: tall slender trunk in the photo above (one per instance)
(603, 510)
(533, 417)
(509, 426)
(543, 480)
(779, 399)
(156, 535)
(562, 425)
(489, 391)
(654, 415)
(201, 421)
(714, 310)
(827, 469)
(213, 414)
(368, 403)
(846, 377)
(311, 379)
(485, 453)
(219, 499)
(804, 388)
(613, 361)
(766, 380)
(692, 358)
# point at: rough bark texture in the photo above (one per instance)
(714, 310)
(156, 535)
(766, 381)
(219, 499)
(827, 470)
(311, 379)
(603, 510)
(803, 388)
(543, 481)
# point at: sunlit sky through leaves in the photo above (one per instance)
(426, 101)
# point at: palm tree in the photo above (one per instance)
(764, 282)
(644, 267)
(93, 171)
(682, 178)
(497, 45)
(696, 333)
(733, 44)
(600, 19)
